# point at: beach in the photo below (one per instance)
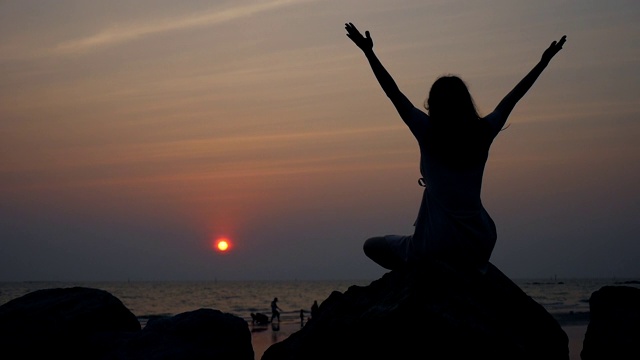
(263, 336)
(576, 336)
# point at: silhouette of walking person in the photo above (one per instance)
(454, 140)
(275, 310)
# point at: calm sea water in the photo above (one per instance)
(241, 298)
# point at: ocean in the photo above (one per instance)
(241, 298)
(563, 298)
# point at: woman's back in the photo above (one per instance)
(452, 161)
(455, 188)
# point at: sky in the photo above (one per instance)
(134, 134)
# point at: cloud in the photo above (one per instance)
(122, 34)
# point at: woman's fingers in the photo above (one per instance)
(562, 41)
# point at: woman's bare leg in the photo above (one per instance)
(377, 249)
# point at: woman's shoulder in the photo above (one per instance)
(415, 119)
(494, 121)
(418, 115)
(492, 115)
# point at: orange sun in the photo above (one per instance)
(222, 245)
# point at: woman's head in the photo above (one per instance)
(460, 139)
(449, 100)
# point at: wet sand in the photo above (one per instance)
(576, 336)
(263, 336)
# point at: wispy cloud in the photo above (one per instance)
(121, 34)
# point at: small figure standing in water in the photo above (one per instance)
(314, 309)
(275, 310)
(454, 140)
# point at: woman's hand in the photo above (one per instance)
(364, 43)
(553, 49)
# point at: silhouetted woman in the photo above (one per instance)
(452, 224)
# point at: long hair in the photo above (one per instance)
(449, 100)
(458, 135)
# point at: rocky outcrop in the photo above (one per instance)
(65, 323)
(435, 312)
(85, 323)
(199, 334)
(614, 327)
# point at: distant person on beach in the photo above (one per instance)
(275, 310)
(259, 318)
(454, 140)
(314, 309)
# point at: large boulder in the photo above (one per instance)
(86, 323)
(614, 327)
(65, 322)
(435, 312)
(198, 334)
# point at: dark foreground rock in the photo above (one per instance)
(85, 323)
(200, 334)
(68, 323)
(432, 313)
(614, 328)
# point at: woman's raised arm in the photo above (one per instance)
(507, 104)
(389, 86)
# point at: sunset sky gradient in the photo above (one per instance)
(133, 134)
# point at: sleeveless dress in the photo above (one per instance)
(452, 224)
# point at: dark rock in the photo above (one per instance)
(85, 323)
(614, 329)
(435, 312)
(69, 322)
(199, 334)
